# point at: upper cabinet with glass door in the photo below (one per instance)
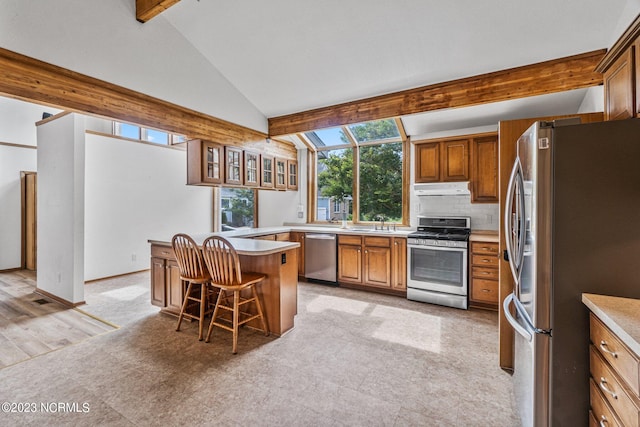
(266, 180)
(281, 173)
(205, 162)
(233, 165)
(292, 174)
(251, 169)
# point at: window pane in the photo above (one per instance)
(128, 131)
(375, 131)
(328, 137)
(381, 182)
(178, 139)
(335, 182)
(236, 208)
(156, 136)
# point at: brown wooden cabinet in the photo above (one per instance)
(372, 262)
(377, 261)
(484, 169)
(350, 259)
(281, 174)
(251, 169)
(399, 264)
(167, 290)
(233, 165)
(428, 162)
(483, 288)
(615, 379)
(296, 236)
(268, 164)
(619, 87)
(442, 161)
(292, 174)
(620, 69)
(204, 162)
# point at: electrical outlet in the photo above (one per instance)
(133, 257)
(300, 214)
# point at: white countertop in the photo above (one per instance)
(484, 236)
(621, 315)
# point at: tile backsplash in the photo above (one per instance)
(484, 216)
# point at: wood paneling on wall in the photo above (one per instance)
(558, 75)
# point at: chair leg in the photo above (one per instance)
(214, 315)
(203, 302)
(184, 305)
(236, 313)
(265, 328)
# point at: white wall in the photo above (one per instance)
(60, 202)
(102, 39)
(593, 100)
(276, 208)
(18, 120)
(135, 192)
(12, 161)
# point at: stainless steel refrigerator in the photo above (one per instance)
(572, 223)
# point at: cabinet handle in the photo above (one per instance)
(164, 253)
(366, 252)
(605, 348)
(603, 421)
(485, 260)
(485, 272)
(486, 290)
(603, 387)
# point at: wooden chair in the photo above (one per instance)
(194, 272)
(224, 267)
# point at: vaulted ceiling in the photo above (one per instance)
(288, 56)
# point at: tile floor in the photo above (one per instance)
(353, 359)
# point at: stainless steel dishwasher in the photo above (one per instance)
(320, 257)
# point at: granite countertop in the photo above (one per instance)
(621, 315)
(484, 236)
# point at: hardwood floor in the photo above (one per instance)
(32, 325)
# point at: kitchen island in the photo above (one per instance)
(276, 259)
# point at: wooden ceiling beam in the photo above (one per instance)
(558, 75)
(33, 80)
(148, 9)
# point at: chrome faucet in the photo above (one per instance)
(381, 219)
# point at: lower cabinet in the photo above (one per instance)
(483, 285)
(296, 236)
(167, 290)
(373, 262)
(614, 383)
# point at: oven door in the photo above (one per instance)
(437, 268)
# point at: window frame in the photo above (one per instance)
(312, 181)
(173, 139)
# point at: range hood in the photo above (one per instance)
(442, 189)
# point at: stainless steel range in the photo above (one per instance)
(437, 261)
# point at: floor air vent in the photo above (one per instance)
(41, 301)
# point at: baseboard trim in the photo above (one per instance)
(58, 299)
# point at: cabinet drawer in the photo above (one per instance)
(283, 237)
(601, 410)
(484, 260)
(165, 252)
(381, 242)
(489, 248)
(349, 240)
(615, 352)
(621, 400)
(484, 290)
(485, 273)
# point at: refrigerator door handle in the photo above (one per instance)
(512, 320)
(514, 221)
